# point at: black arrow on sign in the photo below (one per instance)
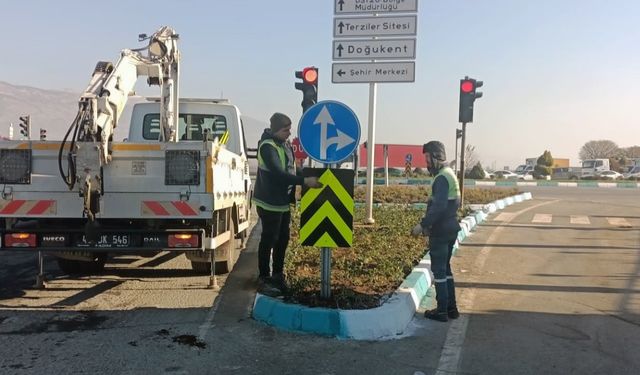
(340, 73)
(341, 3)
(341, 25)
(339, 48)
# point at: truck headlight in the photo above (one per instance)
(182, 167)
(15, 166)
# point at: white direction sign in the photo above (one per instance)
(401, 71)
(375, 26)
(374, 6)
(360, 49)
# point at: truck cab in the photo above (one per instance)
(213, 118)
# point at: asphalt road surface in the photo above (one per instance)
(547, 286)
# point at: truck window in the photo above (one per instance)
(191, 127)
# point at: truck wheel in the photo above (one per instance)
(81, 267)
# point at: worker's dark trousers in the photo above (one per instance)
(275, 235)
(440, 251)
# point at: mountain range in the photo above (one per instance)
(54, 110)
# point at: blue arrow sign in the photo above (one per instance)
(329, 132)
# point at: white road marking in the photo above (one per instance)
(449, 362)
(207, 324)
(505, 216)
(580, 219)
(542, 218)
(618, 222)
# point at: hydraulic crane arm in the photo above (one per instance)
(102, 103)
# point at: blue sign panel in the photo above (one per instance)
(329, 132)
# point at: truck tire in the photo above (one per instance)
(81, 267)
(222, 267)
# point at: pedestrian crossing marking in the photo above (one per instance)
(326, 214)
(542, 218)
(618, 222)
(579, 219)
(505, 216)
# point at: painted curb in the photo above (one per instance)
(506, 183)
(386, 321)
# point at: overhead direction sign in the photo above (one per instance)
(326, 214)
(397, 71)
(359, 49)
(378, 6)
(329, 132)
(375, 26)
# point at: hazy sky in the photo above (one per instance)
(557, 73)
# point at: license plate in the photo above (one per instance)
(106, 241)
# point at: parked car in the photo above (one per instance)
(566, 173)
(527, 176)
(633, 174)
(609, 175)
(505, 175)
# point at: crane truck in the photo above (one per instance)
(180, 181)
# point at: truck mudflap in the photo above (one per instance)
(121, 240)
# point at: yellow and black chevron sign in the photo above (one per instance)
(326, 214)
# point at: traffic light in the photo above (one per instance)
(468, 95)
(308, 86)
(25, 125)
(458, 133)
(43, 134)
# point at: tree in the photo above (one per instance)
(601, 149)
(631, 152)
(477, 172)
(470, 156)
(543, 165)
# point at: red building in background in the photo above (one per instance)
(398, 156)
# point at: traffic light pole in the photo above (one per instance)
(457, 159)
(461, 176)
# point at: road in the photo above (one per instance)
(541, 288)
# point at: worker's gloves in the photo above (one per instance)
(313, 182)
(417, 230)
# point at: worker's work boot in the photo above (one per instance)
(453, 313)
(435, 314)
(279, 282)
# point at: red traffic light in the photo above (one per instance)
(310, 75)
(466, 86)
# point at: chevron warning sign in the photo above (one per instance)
(326, 215)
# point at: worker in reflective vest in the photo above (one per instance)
(273, 193)
(440, 223)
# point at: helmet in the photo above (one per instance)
(436, 149)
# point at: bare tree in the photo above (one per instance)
(470, 156)
(631, 152)
(601, 149)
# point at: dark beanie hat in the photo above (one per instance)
(279, 121)
(436, 149)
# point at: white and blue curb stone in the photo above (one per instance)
(386, 321)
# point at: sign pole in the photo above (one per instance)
(325, 281)
(370, 151)
(325, 268)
